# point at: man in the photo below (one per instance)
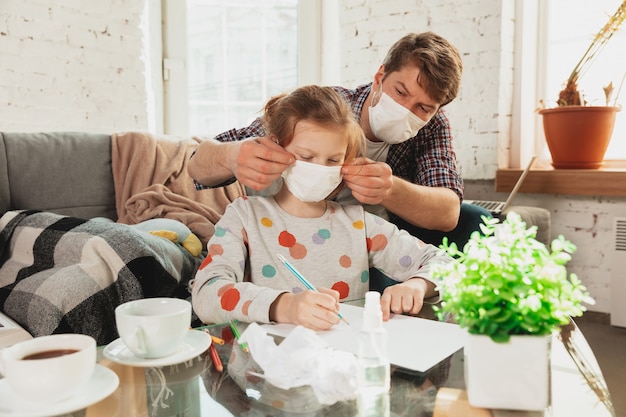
(409, 175)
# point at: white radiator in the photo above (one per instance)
(618, 273)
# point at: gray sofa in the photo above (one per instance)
(65, 264)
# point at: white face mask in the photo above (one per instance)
(392, 122)
(311, 182)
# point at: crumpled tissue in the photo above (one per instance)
(303, 358)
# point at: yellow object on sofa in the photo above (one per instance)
(172, 230)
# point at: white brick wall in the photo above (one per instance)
(80, 65)
(72, 65)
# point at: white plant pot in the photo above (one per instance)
(513, 375)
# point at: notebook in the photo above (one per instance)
(497, 207)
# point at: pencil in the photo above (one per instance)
(215, 357)
(303, 280)
(235, 330)
(217, 340)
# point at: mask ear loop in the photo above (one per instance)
(378, 90)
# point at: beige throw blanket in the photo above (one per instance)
(151, 181)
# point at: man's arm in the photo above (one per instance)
(435, 208)
(211, 164)
(256, 162)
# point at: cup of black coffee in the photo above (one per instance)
(49, 368)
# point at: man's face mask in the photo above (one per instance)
(311, 182)
(392, 122)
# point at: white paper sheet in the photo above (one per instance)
(413, 343)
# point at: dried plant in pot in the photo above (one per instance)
(578, 134)
(511, 293)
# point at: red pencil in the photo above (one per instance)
(215, 357)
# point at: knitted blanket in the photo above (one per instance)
(61, 274)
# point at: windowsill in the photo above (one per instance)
(607, 180)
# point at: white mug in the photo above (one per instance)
(49, 368)
(153, 327)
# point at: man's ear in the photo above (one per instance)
(378, 77)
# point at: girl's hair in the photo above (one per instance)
(320, 105)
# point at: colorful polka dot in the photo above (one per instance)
(379, 242)
(227, 336)
(206, 261)
(297, 251)
(251, 376)
(268, 271)
(286, 239)
(345, 261)
(406, 261)
(342, 288)
(266, 222)
(246, 307)
(224, 288)
(358, 224)
(215, 249)
(219, 232)
(321, 236)
(230, 299)
(365, 276)
(280, 404)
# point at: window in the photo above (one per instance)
(564, 30)
(224, 58)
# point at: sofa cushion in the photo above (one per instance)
(63, 172)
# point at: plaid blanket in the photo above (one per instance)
(61, 274)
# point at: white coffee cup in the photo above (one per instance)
(153, 327)
(49, 368)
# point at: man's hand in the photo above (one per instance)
(314, 310)
(406, 297)
(259, 162)
(369, 181)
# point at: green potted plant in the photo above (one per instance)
(578, 134)
(511, 293)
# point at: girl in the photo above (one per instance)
(332, 245)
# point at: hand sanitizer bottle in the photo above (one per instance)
(373, 375)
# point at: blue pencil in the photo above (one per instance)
(302, 279)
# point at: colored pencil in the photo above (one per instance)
(235, 330)
(302, 279)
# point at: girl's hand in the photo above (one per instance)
(314, 310)
(406, 297)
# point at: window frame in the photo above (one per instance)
(174, 58)
(527, 136)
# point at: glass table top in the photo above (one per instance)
(195, 388)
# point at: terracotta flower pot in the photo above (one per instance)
(578, 136)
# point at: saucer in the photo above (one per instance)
(196, 342)
(102, 384)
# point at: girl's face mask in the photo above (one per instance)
(392, 122)
(311, 182)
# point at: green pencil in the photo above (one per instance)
(235, 330)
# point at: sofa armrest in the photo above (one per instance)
(534, 216)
